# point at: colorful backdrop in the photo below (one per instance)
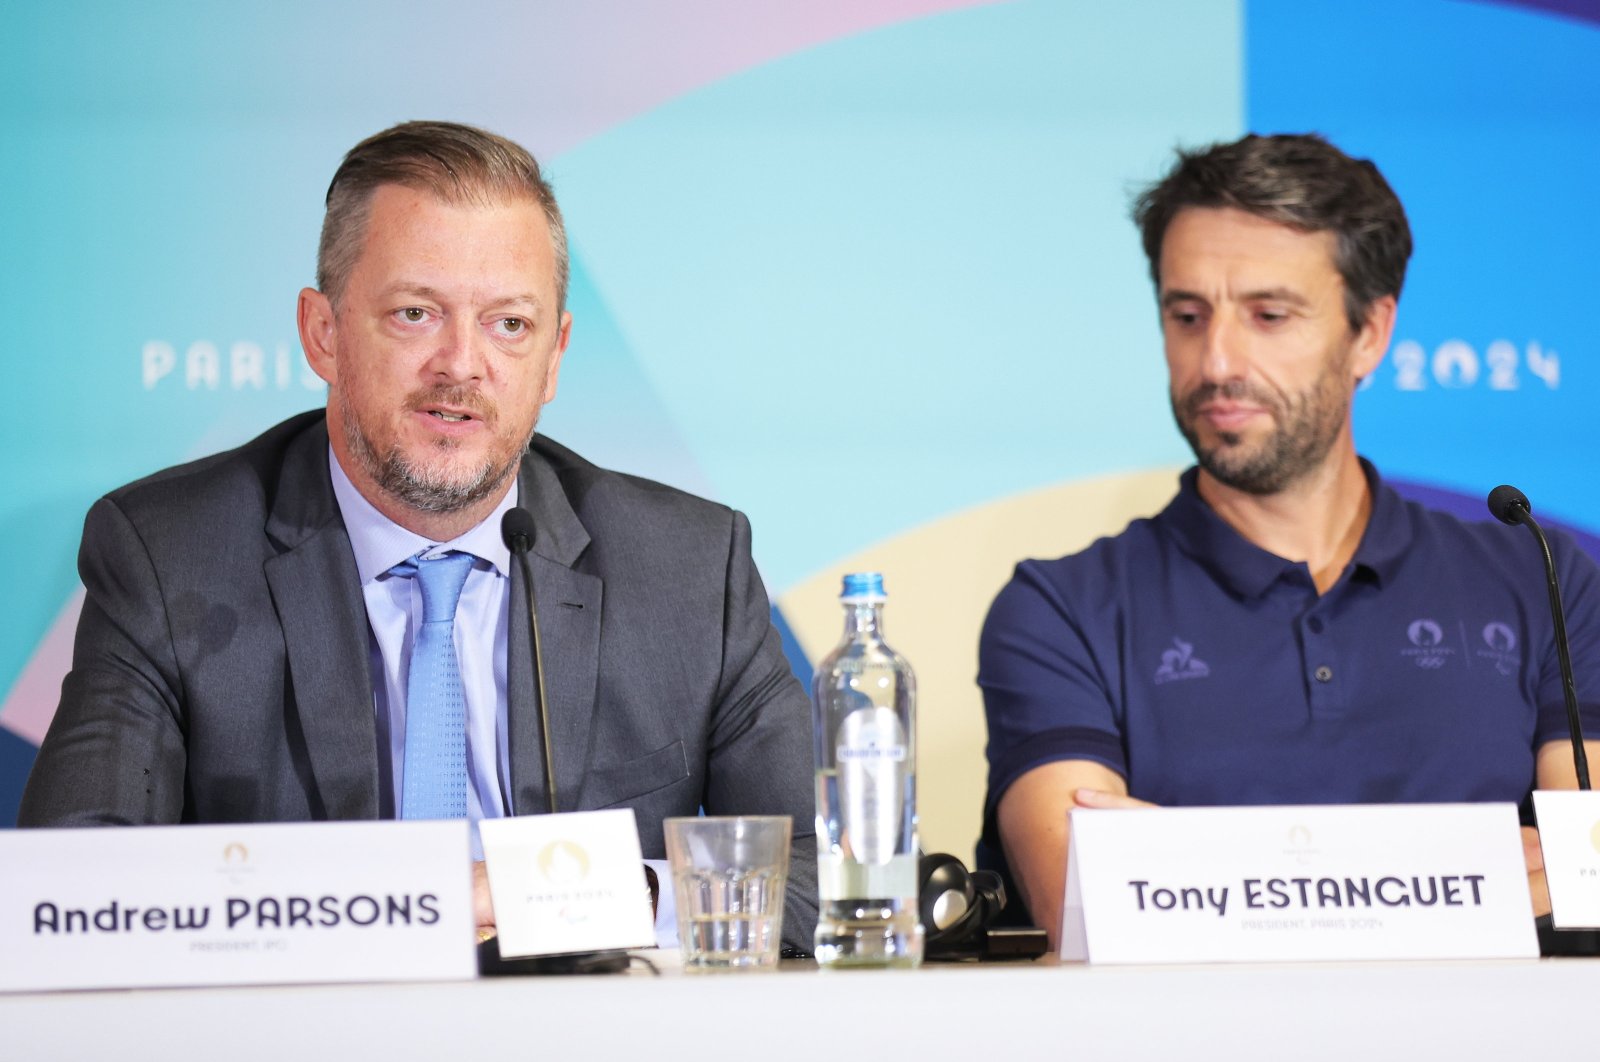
(861, 268)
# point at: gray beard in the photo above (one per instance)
(420, 489)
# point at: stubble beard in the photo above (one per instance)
(1306, 426)
(432, 490)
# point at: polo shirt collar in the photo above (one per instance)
(1388, 537)
(379, 543)
(1249, 571)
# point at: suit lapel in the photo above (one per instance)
(317, 593)
(569, 625)
(569, 605)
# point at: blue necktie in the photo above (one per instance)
(435, 784)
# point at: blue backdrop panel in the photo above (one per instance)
(1486, 119)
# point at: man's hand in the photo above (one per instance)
(1533, 856)
(1099, 798)
(482, 905)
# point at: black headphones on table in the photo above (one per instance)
(956, 907)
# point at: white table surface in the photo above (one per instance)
(1534, 1009)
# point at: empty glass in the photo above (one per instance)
(728, 875)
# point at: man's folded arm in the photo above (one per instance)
(114, 753)
(1033, 828)
(1053, 729)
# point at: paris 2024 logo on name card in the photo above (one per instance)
(567, 883)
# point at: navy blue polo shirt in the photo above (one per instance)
(1207, 671)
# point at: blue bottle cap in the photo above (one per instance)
(863, 586)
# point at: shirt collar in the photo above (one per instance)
(379, 543)
(1248, 570)
(1388, 537)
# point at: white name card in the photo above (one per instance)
(1569, 834)
(135, 907)
(1276, 884)
(567, 883)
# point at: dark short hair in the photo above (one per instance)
(1301, 181)
(457, 163)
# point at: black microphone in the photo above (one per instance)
(1510, 506)
(517, 529)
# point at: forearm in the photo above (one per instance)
(112, 757)
(114, 753)
(1034, 830)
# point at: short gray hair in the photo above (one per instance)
(457, 163)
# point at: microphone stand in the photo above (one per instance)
(517, 528)
(1510, 506)
(551, 804)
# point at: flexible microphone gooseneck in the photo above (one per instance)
(517, 529)
(1510, 506)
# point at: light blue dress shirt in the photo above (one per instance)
(394, 610)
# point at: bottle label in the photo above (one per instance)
(872, 751)
(839, 878)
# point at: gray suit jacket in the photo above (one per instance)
(221, 670)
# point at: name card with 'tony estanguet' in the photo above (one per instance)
(1275, 884)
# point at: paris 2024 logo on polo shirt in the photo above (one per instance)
(1500, 648)
(1428, 650)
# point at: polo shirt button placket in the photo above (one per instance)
(1324, 700)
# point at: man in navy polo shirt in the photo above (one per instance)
(1288, 630)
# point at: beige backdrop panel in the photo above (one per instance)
(941, 579)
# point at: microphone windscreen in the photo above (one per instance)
(516, 528)
(1508, 504)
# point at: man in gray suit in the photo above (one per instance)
(243, 650)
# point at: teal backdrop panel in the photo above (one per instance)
(848, 265)
(851, 267)
(903, 281)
